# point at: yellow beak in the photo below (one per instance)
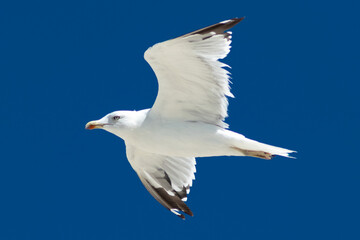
(93, 125)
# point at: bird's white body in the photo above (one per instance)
(192, 139)
(187, 118)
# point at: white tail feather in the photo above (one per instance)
(252, 145)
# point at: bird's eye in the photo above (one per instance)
(116, 118)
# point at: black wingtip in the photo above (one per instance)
(231, 22)
(182, 216)
(242, 18)
(218, 28)
(171, 202)
(237, 20)
(189, 212)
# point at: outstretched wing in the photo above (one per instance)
(168, 179)
(193, 84)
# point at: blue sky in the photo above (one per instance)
(295, 74)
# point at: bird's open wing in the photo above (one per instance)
(193, 84)
(167, 178)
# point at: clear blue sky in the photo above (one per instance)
(295, 68)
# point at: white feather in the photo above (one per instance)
(192, 84)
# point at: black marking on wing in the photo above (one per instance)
(172, 203)
(218, 28)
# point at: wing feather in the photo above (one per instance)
(168, 179)
(193, 84)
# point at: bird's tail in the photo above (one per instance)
(248, 147)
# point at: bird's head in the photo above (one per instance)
(116, 122)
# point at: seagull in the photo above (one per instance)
(187, 118)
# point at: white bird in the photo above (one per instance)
(187, 118)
